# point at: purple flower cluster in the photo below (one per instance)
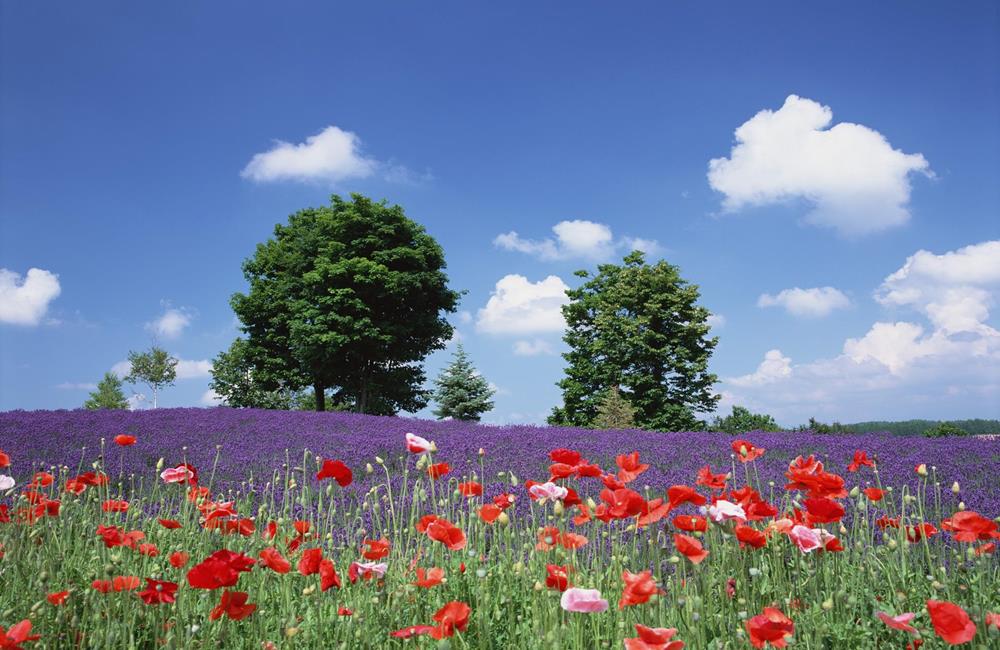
(260, 441)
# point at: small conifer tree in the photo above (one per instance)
(108, 395)
(614, 412)
(462, 393)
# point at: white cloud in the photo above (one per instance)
(774, 367)
(68, 385)
(948, 367)
(170, 324)
(24, 302)
(810, 303)
(518, 306)
(533, 348)
(331, 155)
(716, 321)
(856, 182)
(575, 240)
(186, 368)
(499, 390)
(211, 398)
(464, 317)
(954, 290)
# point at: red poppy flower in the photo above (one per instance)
(678, 494)
(745, 451)
(639, 588)
(18, 633)
(453, 616)
(337, 470)
(42, 479)
(690, 523)
(428, 578)
(412, 631)
(951, 623)
(808, 475)
(120, 583)
(272, 559)
(690, 548)
(425, 522)
(653, 638)
(377, 549)
(885, 521)
(504, 500)
(986, 549)
(438, 470)
(629, 467)
(57, 598)
(970, 526)
(558, 576)
(179, 559)
(749, 536)
(823, 510)
(489, 513)
(993, 620)
(4, 459)
(113, 505)
(310, 560)
(158, 591)
(234, 605)
(652, 512)
(860, 458)
(470, 489)
(343, 611)
(565, 456)
(442, 530)
(920, 531)
(328, 575)
(170, 524)
(148, 549)
(900, 622)
(770, 627)
(874, 494)
(124, 440)
(220, 569)
(710, 480)
(620, 504)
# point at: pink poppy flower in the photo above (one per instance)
(722, 511)
(178, 474)
(418, 445)
(899, 622)
(807, 539)
(549, 491)
(584, 601)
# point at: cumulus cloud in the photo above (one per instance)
(25, 301)
(950, 361)
(519, 306)
(716, 321)
(855, 180)
(533, 348)
(211, 398)
(68, 385)
(809, 303)
(332, 155)
(170, 324)
(575, 240)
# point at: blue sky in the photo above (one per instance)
(846, 237)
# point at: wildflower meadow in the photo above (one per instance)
(188, 528)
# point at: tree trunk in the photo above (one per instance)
(320, 396)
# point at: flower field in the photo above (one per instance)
(198, 528)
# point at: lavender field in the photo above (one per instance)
(256, 442)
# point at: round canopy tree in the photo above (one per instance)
(637, 326)
(349, 297)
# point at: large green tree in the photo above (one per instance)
(349, 297)
(637, 326)
(742, 420)
(462, 393)
(108, 395)
(155, 368)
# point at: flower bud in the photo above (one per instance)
(558, 507)
(921, 469)
(955, 488)
(855, 491)
(368, 468)
(159, 465)
(482, 452)
(503, 519)
(378, 459)
(961, 505)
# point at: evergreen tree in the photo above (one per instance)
(614, 412)
(108, 395)
(462, 393)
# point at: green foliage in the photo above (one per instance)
(349, 297)
(742, 420)
(614, 412)
(155, 368)
(944, 429)
(975, 427)
(462, 393)
(816, 426)
(637, 326)
(244, 382)
(108, 395)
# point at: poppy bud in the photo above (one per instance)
(378, 459)
(961, 505)
(291, 631)
(558, 507)
(855, 491)
(482, 452)
(159, 465)
(513, 480)
(828, 604)
(954, 487)
(893, 544)
(368, 468)
(503, 519)
(538, 586)
(921, 469)
(433, 447)
(591, 504)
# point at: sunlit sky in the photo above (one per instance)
(827, 178)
